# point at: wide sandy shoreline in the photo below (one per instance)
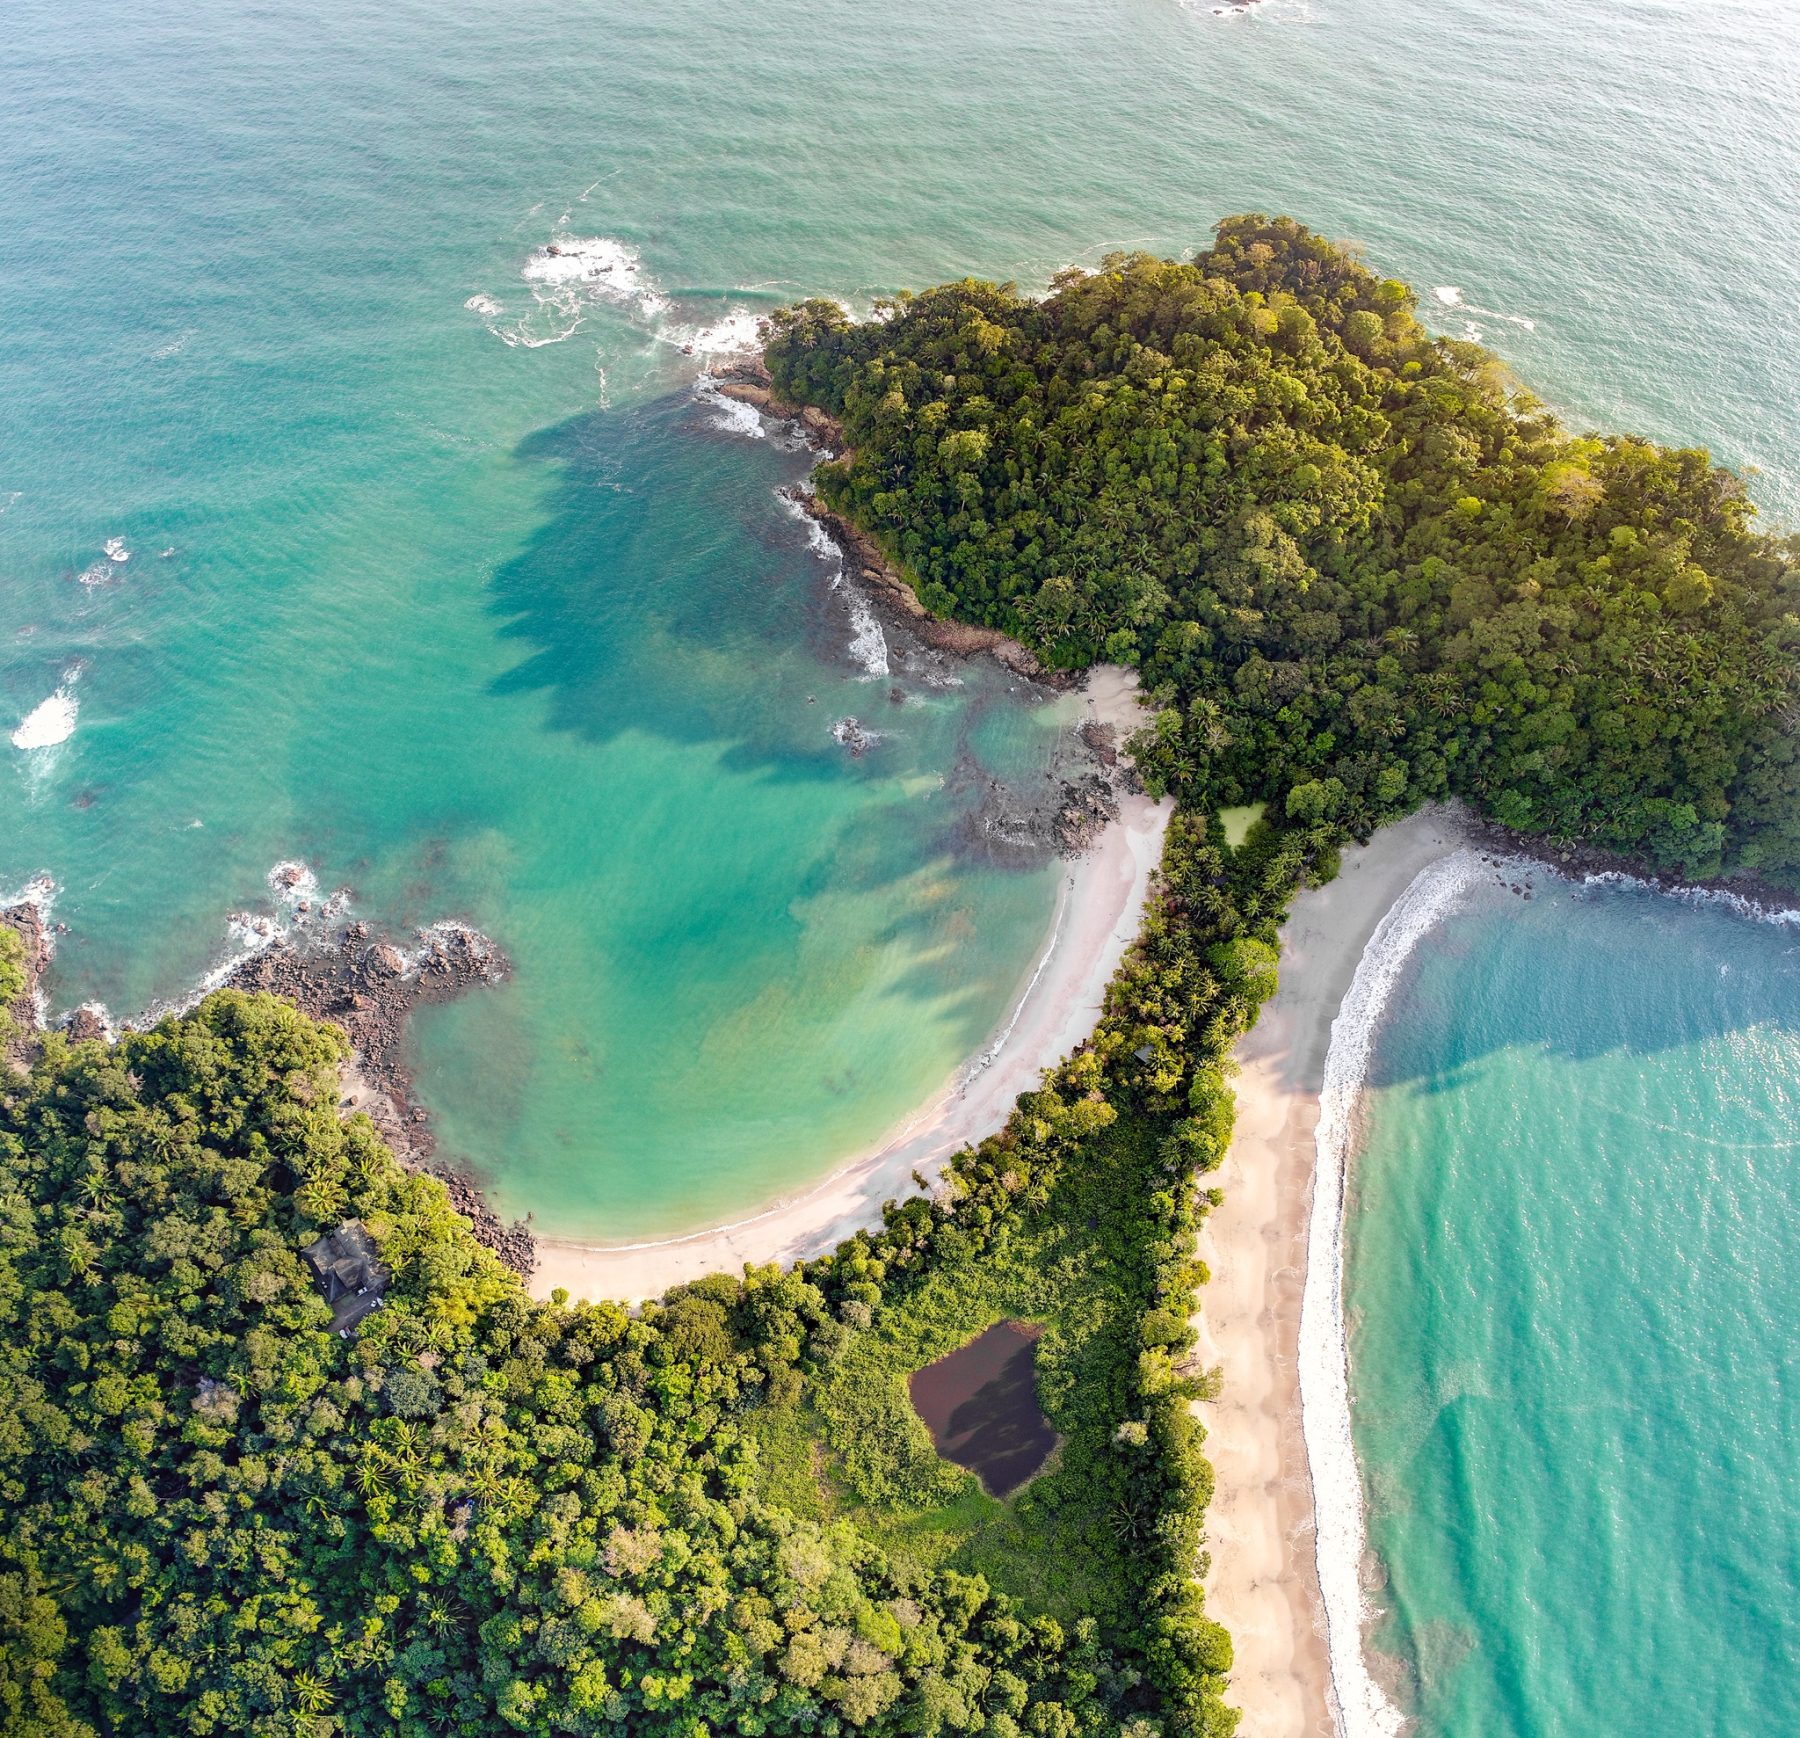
(1097, 919)
(1262, 1582)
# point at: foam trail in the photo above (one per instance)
(978, 1065)
(738, 333)
(1452, 297)
(1738, 903)
(1360, 1708)
(868, 644)
(598, 264)
(297, 908)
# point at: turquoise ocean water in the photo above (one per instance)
(1573, 1330)
(471, 606)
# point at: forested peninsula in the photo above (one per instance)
(1357, 570)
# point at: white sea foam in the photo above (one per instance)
(1452, 297)
(52, 720)
(978, 1065)
(738, 333)
(598, 266)
(40, 891)
(1737, 903)
(101, 572)
(108, 1030)
(1362, 1711)
(485, 306)
(296, 911)
(116, 549)
(730, 414)
(868, 644)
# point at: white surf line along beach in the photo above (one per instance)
(1096, 921)
(1285, 1526)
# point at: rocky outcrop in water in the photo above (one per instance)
(1061, 813)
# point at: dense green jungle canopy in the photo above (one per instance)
(1357, 568)
(482, 1514)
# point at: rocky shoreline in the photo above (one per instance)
(1577, 862)
(889, 594)
(362, 983)
(366, 985)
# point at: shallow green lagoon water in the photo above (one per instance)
(1571, 1283)
(471, 608)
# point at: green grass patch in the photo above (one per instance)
(1238, 822)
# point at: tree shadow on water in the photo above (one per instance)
(665, 591)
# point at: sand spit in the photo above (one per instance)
(1097, 919)
(1263, 1582)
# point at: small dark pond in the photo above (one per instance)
(980, 1405)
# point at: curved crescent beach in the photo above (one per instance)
(1098, 913)
(1285, 1527)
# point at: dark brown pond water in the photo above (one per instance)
(980, 1405)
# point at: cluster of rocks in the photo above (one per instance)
(1060, 814)
(855, 736)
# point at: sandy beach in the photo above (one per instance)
(1097, 918)
(1262, 1582)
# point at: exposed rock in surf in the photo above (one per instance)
(1103, 739)
(850, 732)
(1061, 813)
(88, 1022)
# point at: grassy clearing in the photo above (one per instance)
(1077, 1263)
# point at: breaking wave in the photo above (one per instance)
(739, 333)
(1451, 296)
(730, 414)
(1740, 904)
(566, 276)
(868, 646)
(52, 720)
(1362, 1710)
(598, 266)
(296, 910)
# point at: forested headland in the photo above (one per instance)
(1358, 567)
(1357, 570)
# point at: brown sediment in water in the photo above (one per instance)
(980, 1405)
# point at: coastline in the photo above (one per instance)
(1263, 1580)
(1097, 919)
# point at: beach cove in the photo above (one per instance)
(1098, 911)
